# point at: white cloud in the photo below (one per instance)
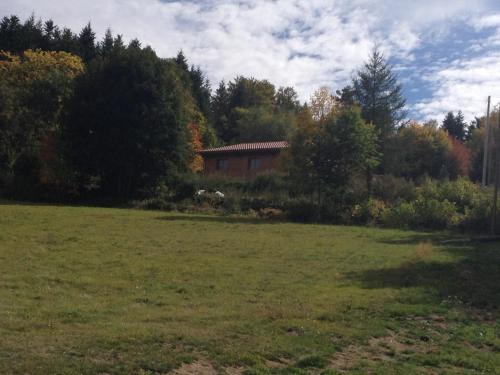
(488, 21)
(290, 42)
(463, 85)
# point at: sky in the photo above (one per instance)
(446, 53)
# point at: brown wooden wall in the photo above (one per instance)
(238, 164)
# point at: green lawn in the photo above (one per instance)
(115, 291)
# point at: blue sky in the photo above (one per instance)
(446, 52)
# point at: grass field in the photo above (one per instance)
(112, 291)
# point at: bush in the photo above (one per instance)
(272, 213)
(422, 213)
(370, 212)
(396, 202)
(434, 214)
(231, 204)
(477, 217)
(393, 189)
(267, 182)
(400, 216)
(154, 204)
(462, 192)
(222, 183)
(302, 210)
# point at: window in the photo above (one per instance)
(221, 164)
(253, 163)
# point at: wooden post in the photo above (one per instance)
(486, 144)
(497, 178)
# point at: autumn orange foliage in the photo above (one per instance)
(462, 156)
(196, 163)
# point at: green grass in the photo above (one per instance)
(112, 291)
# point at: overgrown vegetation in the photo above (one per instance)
(458, 205)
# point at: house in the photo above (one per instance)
(243, 160)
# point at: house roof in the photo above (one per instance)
(257, 146)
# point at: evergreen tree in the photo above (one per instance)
(346, 96)
(118, 43)
(455, 125)
(86, 41)
(377, 90)
(16, 37)
(10, 29)
(68, 42)
(220, 113)
(107, 45)
(201, 91)
(124, 126)
(181, 61)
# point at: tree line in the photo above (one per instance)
(103, 118)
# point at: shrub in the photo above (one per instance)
(269, 181)
(477, 217)
(422, 213)
(271, 213)
(400, 216)
(370, 211)
(221, 183)
(462, 192)
(428, 189)
(393, 189)
(302, 210)
(154, 204)
(209, 199)
(434, 214)
(231, 204)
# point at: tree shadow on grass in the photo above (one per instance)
(473, 280)
(217, 219)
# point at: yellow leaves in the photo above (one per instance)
(36, 65)
(426, 134)
(322, 102)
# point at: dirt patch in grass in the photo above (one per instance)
(380, 349)
(433, 320)
(199, 367)
(234, 370)
(278, 363)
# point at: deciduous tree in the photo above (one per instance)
(33, 88)
(322, 102)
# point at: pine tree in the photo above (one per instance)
(107, 44)
(377, 90)
(455, 126)
(200, 89)
(346, 96)
(220, 113)
(110, 134)
(118, 43)
(182, 61)
(86, 40)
